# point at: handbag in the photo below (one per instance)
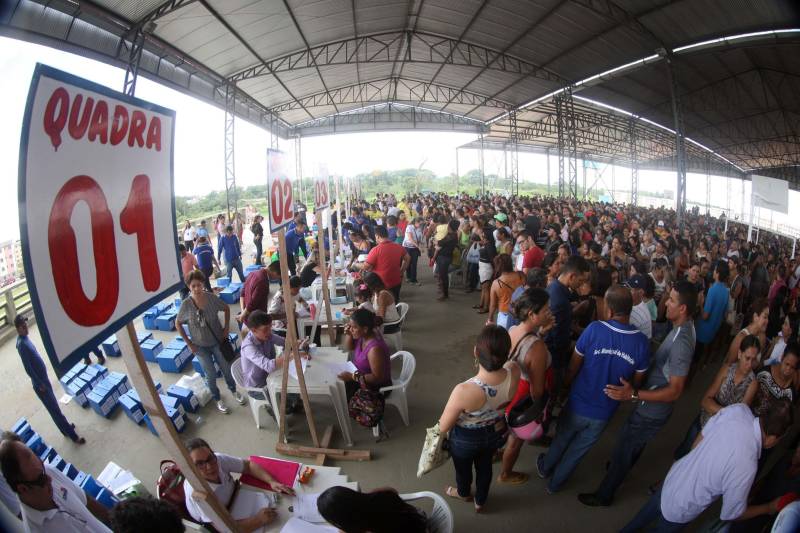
(435, 451)
(228, 353)
(367, 405)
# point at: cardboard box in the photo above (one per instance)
(78, 390)
(103, 402)
(150, 349)
(173, 403)
(229, 296)
(142, 336)
(111, 347)
(171, 360)
(186, 398)
(166, 321)
(132, 407)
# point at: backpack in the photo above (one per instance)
(170, 487)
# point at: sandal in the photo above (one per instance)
(483, 311)
(476, 306)
(453, 493)
(514, 478)
(479, 508)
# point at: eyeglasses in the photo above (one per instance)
(40, 481)
(211, 461)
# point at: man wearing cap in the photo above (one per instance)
(500, 220)
(34, 367)
(640, 314)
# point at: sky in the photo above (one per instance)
(199, 144)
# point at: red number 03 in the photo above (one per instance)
(136, 218)
(280, 206)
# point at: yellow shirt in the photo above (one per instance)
(441, 232)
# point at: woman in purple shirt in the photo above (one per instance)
(371, 354)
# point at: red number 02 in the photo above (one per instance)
(136, 218)
(281, 201)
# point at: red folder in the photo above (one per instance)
(282, 471)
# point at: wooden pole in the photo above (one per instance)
(341, 221)
(326, 297)
(141, 380)
(291, 348)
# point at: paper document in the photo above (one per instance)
(295, 525)
(293, 367)
(305, 508)
(338, 368)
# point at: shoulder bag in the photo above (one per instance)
(367, 405)
(435, 451)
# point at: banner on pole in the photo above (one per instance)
(322, 197)
(97, 216)
(279, 191)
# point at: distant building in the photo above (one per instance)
(18, 259)
(11, 268)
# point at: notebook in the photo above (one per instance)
(282, 471)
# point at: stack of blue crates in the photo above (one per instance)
(80, 380)
(185, 397)
(174, 356)
(111, 347)
(132, 406)
(149, 317)
(50, 457)
(251, 268)
(166, 320)
(150, 349)
(142, 336)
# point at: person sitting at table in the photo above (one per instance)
(370, 354)
(383, 304)
(379, 511)
(311, 270)
(259, 358)
(363, 297)
(216, 469)
(276, 307)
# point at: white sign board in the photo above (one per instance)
(279, 191)
(97, 216)
(770, 193)
(322, 197)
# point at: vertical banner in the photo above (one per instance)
(279, 191)
(97, 217)
(322, 198)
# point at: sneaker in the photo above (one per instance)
(540, 466)
(222, 407)
(592, 500)
(239, 398)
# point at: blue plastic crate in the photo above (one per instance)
(90, 486)
(78, 390)
(150, 349)
(149, 319)
(171, 361)
(172, 403)
(111, 347)
(236, 285)
(36, 443)
(222, 282)
(47, 454)
(69, 470)
(57, 462)
(106, 498)
(229, 296)
(186, 398)
(132, 407)
(142, 336)
(22, 428)
(103, 402)
(149, 424)
(80, 478)
(166, 321)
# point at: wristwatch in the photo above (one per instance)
(635, 395)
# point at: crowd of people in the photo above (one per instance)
(586, 306)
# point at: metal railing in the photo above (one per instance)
(15, 299)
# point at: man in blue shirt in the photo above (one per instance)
(609, 351)
(205, 259)
(574, 272)
(295, 241)
(35, 368)
(202, 231)
(229, 246)
(714, 308)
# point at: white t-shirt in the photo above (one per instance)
(641, 320)
(188, 234)
(8, 497)
(723, 464)
(70, 515)
(223, 491)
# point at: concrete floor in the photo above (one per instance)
(440, 335)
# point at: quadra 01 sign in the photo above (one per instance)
(97, 216)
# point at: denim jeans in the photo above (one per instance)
(237, 265)
(636, 433)
(788, 519)
(575, 435)
(207, 355)
(474, 447)
(649, 514)
(411, 272)
(258, 244)
(443, 274)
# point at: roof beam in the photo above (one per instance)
(250, 49)
(412, 18)
(424, 48)
(460, 39)
(355, 36)
(162, 10)
(308, 47)
(513, 43)
(385, 90)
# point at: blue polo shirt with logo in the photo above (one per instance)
(611, 350)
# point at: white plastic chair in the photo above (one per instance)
(398, 397)
(255, 405)
(395, 340)
(441, 518)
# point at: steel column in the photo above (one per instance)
(547, 155)
(483, 177)
(634, 154)
(613, 180)
(680, 146)
(708, 184)
(458, 176)
(298, 169)
(567, 145)
(231, 197)
(134, 58)
(514, 154)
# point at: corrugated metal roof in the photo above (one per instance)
(308, 59)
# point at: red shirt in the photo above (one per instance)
(255, 292)
(386, 259)
(188, 263)
(533, 257)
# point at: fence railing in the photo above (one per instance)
(15, 299)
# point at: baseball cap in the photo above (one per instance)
(636, 282)
(19, 320)
(660, 223)
(502, 217)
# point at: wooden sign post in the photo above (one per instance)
(341, 221)
(281, 213)
(125, 190)
(322, 202)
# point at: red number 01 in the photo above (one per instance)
(137, 217)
